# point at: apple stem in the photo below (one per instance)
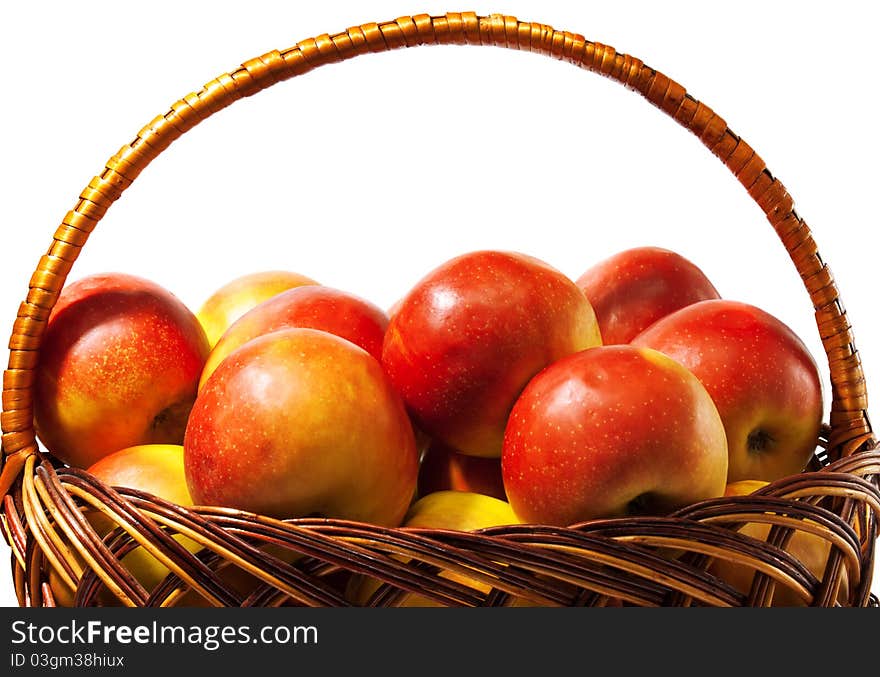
(759, 441)
(640, 505)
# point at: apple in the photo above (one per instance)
(232, 300)
(459, 510)
(445, 509)
(760, 375)
(633, 288)
(444, 468)
(153, 468)
(314, 306)
(612, 431)
(119, 366)
(808, 548)
(302, 422)
(469, 335)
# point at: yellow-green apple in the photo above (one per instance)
(445, 509)
(633, 288)
(761, 376)
(468, 336)
(444, 468)
(810, 549)
(302, 422)
(153, 468)
(459, 510)
(314, 306)
(611, 431)
(229, 302)
(119, 366)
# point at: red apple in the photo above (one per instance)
(636, 287)
(761, 377)
(226, 304)
(119, 366)
(443, 468)
(467, 337)
(313, 306)
(302, 422)
(610, 431)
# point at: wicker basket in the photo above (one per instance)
(640, 561)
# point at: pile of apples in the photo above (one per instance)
(496, 390)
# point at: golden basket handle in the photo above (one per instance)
(850, 428)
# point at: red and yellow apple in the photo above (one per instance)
(760, 375)
(808, 548)
(228, 303)
(466, 339)
(443, 468)
(632, 289)
(612, 431)
(153, 468)
(302, 422)
(448, 509)
(119, 366)
(313, 306)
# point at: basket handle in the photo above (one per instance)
(850, 429)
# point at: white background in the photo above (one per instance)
(366, 174)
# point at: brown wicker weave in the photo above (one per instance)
(644, 561)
